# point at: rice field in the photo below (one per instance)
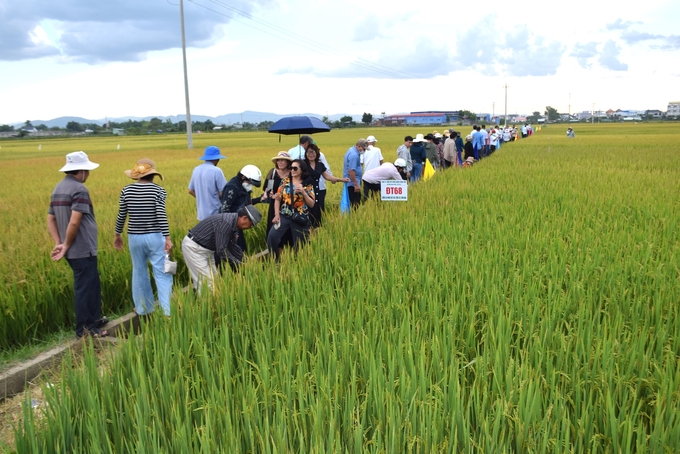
(529, 304)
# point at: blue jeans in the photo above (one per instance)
(145, 248)
(417, 171)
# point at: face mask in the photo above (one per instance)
(247, 186)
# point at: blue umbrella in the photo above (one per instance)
(299, 124)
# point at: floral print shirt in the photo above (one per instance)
(290, 200)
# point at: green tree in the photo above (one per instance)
(326, 120)
(467, 115)
(41, 127)
(155, 123)
(533, 118)
(367, 118)
(347, 120)
(74, 126)
(552, 113)
(6, 128)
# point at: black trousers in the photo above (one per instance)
(87, 293)
(370, 189)
(354, 197)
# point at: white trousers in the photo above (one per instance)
(201, 263)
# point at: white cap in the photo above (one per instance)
(371, 139)
(78, 161)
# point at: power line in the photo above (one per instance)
(285, 35)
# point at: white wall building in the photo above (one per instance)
(673, 109)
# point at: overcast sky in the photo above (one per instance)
(123, 57)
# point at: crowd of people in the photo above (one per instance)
(294, 188)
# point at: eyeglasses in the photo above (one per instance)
(294, 168)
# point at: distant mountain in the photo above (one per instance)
(227, 119)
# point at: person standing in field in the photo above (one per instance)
(459, 147)
(477, 142)
(73, 227)
(298, 151)
(404, 152)
(485, 148)
(431, 151)
(449, 152)
(273, 180)
(373, 157)
(469, 148)
(354, 171)
(317, 171)
(418, 157)
(215, 240)
(207, 181)
(439, 143)
(143, 204)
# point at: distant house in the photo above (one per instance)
(28, 127)
(118, 131)
(654, 113)
(421, 118)
(673, 109)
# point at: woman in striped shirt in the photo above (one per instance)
(143, 203)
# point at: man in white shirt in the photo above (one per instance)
(386, 171)
(372, 156)
(298, 151)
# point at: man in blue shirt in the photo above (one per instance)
(477, 141)
(207, 181)
(353, 171)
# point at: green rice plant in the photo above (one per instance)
(528, 304)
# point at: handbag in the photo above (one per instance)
(300, 218)
(169, 267)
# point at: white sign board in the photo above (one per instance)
(394, 190)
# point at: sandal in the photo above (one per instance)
(96, 333)
(101, 322)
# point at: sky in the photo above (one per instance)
(122, 58)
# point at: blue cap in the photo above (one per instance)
(212, 153)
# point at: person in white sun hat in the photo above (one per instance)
(72, 226)
(373, 157)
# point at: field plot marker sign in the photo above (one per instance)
(394, 190)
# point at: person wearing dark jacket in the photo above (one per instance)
(431, 151)
(469, 148)
(417, 157)
(238, 192)
(459, 147)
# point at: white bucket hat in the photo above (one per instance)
(419, 138)
(78, 161)
(371, 139)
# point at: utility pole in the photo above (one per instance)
(505, 116)
(186, 79)
(569, 107)
(592, 119)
